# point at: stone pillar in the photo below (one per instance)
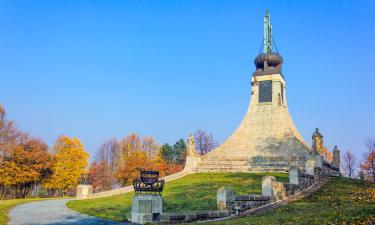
(273, 189)
(84, 191)
(267, 186)
(309, 166)
(146, 209)
(223, 198)
(336, 157)
(319, 161)
(294, 175)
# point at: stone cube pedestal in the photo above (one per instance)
(223, 198)
(84, 191)
(146, 209)
(294, 175)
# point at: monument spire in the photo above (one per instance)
(267, 40)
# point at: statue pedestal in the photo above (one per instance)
(146, 208)
(84, 191)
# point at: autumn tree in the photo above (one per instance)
(150, 146)
(349, 163)
(164, 167)
(135, 161)
(70, 161)
(327, 154)
(100, 176)
(106, 157)
(8, 135)
(28, 164)
(368, 165)
(204, 142)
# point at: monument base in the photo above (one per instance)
(84, 191)
(146, 209)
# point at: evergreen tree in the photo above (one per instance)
(179, 151)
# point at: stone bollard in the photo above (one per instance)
(84, 191)
(294, 175)
(223, 198)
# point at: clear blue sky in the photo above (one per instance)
(102, 69)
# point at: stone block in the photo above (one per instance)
(267, 185)
(146, 208)
(84, 191)
(309, 166)
(294, 175)
(223, 198)
(273, 189)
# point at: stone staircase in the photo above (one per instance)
(223, 166)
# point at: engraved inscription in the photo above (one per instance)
(265, 91)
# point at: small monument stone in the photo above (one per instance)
(223, 198)
(294, 175)
(310, 165)
(272, 188)
(267, 186)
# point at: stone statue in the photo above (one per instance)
(336, 157)
(191, 146)
(317, 142)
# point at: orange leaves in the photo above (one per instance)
(28, 163)
(327, 154)
(100, 176)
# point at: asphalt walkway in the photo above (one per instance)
(52, 212)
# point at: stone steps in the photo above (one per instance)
(223, 166)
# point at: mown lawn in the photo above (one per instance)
(341, 201)
(195, 192)
(6, 205)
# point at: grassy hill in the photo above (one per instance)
(341, 201)
(195, 192)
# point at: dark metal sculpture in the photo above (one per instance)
(84, 179)
(148, 183)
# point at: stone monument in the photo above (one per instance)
(84, 188)
(266, 139)
(147, 204)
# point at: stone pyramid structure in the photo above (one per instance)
(266, 139)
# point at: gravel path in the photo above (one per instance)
(50, 212)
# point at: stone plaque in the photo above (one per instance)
(265, 91)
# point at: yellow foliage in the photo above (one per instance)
(70, 162)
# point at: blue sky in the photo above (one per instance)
(102, 69)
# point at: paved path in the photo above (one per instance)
(51, 212)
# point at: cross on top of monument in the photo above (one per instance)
(267, 40)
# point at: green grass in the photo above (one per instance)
(195, 192)
(341, 201)
(6, 205)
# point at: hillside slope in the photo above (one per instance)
(194, 192)
(341, 201)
